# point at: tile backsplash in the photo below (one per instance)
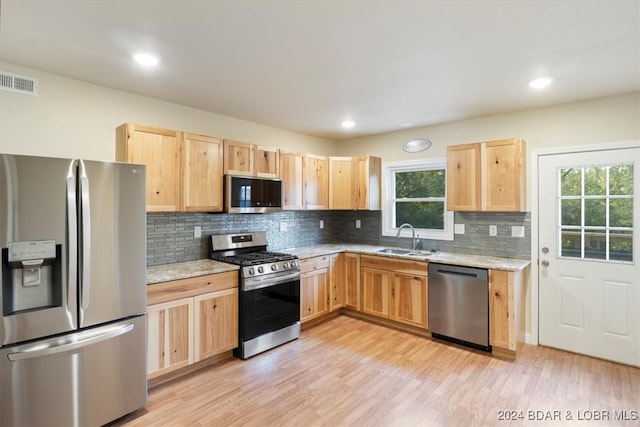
(170, 236)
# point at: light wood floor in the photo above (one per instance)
(347, 372)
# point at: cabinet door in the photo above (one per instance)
(367, 183)
(501, 311)
(337, 281)
(341, 183)
(503, 181)
(463, 177)
(314, 294)
(238, 158)
(267, 162)
(202, 187)
(159, 150)
(409, 296)
(292, 180)
(216, 323)
(376, 290)
(316, 182)
(352, 281)
(169, 336)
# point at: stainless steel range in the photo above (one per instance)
(269, 306)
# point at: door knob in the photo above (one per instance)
(545, 263)
(545, 250)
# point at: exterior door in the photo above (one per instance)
(589, 274)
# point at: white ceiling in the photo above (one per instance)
(307, 65)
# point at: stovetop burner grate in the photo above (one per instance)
(254, 258)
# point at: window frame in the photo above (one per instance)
(388, 198)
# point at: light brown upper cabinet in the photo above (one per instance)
(368, 172)
(242, 158)
(202, 173)
(487, 176)
(292, 180)
(354, 183)
(184, 171)
(316, 181)
(341, 183)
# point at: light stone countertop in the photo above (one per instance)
(479, 261)
(184, 270)
(202, 267)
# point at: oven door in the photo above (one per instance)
(268, 306)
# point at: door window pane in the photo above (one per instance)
(595, 212)
(621, 246)
(621, 180)
(571, 212)
(595, 181)
(571, 182)
(571, 243)
(595, 244)
(621, 213)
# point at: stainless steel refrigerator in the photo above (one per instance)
(73, 291)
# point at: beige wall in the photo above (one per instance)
(70, 118)
(596, 121)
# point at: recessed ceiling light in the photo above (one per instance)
(347, 124)
(540, 83)
(146, 59)
(406, 125)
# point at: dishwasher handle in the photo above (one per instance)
(457, 270)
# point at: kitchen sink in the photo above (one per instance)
(393, 251)
(401, 252)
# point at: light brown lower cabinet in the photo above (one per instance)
(352, 281)
(395, 289)
(190, 320)
(314, 287)
(169, 336)
(507, 293)
(216, 323)
(337, 275)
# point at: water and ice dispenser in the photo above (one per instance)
(31, 276)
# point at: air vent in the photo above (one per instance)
(19, 84)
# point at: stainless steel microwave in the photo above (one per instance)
(248, 194)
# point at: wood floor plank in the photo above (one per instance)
(348, 372)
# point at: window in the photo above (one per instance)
(416, 193)
(596, 212)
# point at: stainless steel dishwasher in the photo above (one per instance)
(459, 304)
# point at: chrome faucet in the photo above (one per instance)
(414, 241)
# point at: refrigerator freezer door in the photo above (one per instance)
(37, 219)
(112, 241)
(85, 378)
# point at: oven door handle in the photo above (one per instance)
(253, 284)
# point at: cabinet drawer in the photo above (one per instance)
(315, 263)
(167, 291)
(405, 266)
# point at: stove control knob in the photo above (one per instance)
(274, 267)
(261, 269)
(251, 271)
(285, 265)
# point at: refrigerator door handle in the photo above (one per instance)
(72, 233)
(82, 339)
(85, 230)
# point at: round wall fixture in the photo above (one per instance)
(416, 145)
